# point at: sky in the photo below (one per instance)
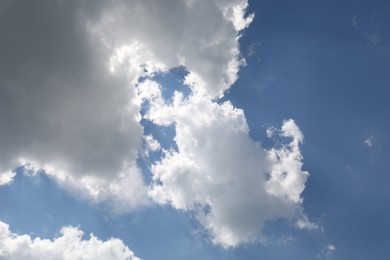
(194, 129)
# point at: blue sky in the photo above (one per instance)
(142, 122)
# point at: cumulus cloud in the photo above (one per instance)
(69, 245)
(72, 84)
(68, 103)
(199, 35)
(230, 183)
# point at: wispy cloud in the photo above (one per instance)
(252, 49)
(369, 31)
(370, 141)
(326, 252)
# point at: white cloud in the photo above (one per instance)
(235, 12)
(68, 102)
(231, 184)
(69, 105)
(287, 180)
(370, 141)
(69, 245)
(6, 177)
(200, 35)
(152, 144)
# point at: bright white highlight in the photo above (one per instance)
(6, 177)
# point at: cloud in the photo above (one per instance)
(326, 252)
(201, 35)
(370, 141)
(368, 27)
(74, 76)
(68, 103)
(61, 108)
(6, 177)
(252, 48)
(69, 245)
(228, 181)
(152, 144)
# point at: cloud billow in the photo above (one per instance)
(62, 110)
(71, 95)
(231, 184)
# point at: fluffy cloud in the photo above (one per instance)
(69, 245)
(68, 72)
(200, 35)
(231, 184)
(70, 105)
